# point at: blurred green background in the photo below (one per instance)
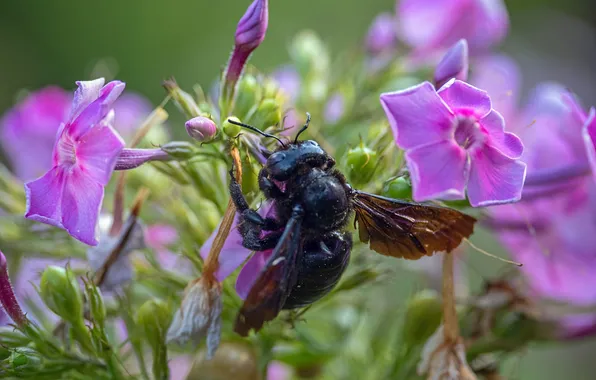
(143, 42)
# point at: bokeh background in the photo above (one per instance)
(142, 42)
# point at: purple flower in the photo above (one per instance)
(289, 81)
(69, 196)
(382, 36)
(454, 64)
(29, 131)
(7, 297)
(428, 25)
(454, 140)
(334, 109)
(130, 110)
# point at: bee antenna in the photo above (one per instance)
(303, 128)
(254, 129)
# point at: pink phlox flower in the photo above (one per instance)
(428, 25)
(455, 141)
(69, 196)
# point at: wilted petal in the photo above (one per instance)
(44, 197)
(466, 99)
(86, 93)
(98, 151)
(417, 116)
(250, 272)
(494, 178)
(81, 203)
(506, 142)
(438, 171)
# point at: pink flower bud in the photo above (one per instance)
(453, 65)
(252, 26)
(201, 128)
(7, 298)
(381, 35)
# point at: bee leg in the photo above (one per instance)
(252, 239)
(268, 187)
(248, 214)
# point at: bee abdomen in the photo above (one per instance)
(320, 270)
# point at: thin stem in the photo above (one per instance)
(451, 327)
(212, 262)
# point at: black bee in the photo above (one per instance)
(313, 203)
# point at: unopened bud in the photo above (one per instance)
(423, 317)
(60, 291)
(231, 130)
(398, 188)
(97, 307)
(201, 128)
(268, 113)
(381, 35)
(309, 53)
(154, 318)
(361, 163)
(249, 94)
(454, 64)
(8, 301)
(252, 27)
(181, 150)
(270, 89)
(231, 361)
(183, 100)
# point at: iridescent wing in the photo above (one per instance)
(271, 289)
(408, 230)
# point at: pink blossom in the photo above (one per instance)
(29, 131)
(428, 25)
(455, 141)
(69, 196)
(382, 36)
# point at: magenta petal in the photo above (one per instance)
(507, 143)
(97, 110)
(98, 151)
(589, 135)
(494, 178)
(85, 94)
(44, 197)
(462, 97)
(437, 17)
(438, 171)
(250, 271)
(417, 116)
(80, 206)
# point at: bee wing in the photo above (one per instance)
(271, 289)
(409, 230)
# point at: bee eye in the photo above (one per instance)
(276, 158)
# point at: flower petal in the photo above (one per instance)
(417, 116)
(86, 93)
(589, 135)
(80, 206)
(250, 271)
(438, 171)
(44, 197)
(96, 110)
(507, 143)
(98, 151)
(494, 178)
(465, 99)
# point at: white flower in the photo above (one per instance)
(442, 360)
(199, 316)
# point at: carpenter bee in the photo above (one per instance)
(313, 203)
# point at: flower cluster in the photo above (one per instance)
(422, 114)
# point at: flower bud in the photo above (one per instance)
(423, 317)
(97, 307)
(60, 291)
(201, 128)
(249, 95)
(252, 27)
(454, 64)
(231, 130)
(183, 100)
(361, 163)
(309, 54)
(25, 359)
(232, 360)
(381, 35)
(154, 318)
(180, 150)
(8, 301)
(398, 188)
(268, 114)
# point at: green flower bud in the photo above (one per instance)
(60, 291)
(249, 94)
(231, 361)
(268, 113)
(270, 89)
(231, 130)
(183, 100)
(398, 188)
(180, 150)
(423, 317)
(309, 53)
(153, 318)
(97, 307)
(361, 163)
(24, 358)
